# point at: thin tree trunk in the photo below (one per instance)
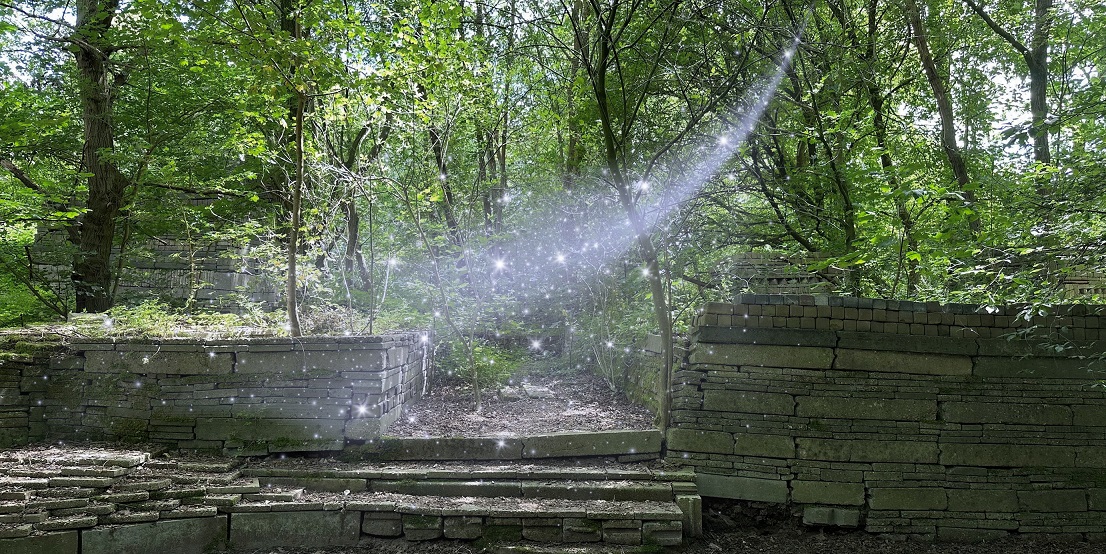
(944, 108)
(291, 285)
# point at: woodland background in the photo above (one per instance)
(574, 172)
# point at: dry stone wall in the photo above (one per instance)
(253, 396)
(948, 420)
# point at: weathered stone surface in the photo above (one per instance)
(662, 533)
(1007, 455)
(907, 498)
(827, 492)
(902, 362)
(1040, 368)
(831, 517)
(1089, 415)
(463, 527)
(768, 446)
(754, 335)
(325, 484)
(288, 529)
(601, 443)
(382, 525)
(967, 534)
(581, 530)
(1005, 412)
(1053, 501)
(146, 363)
(695, 440)
(976, 500)
(52, 543)
(421, 528)
(444, 448)
(887, 409)
(692, 507)
(763, 356)
(750, 402)
(906, 343)
(181, 536)
(867, 450)
(291, 362)
(742, 488)
(269, 430)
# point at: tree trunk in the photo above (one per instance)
(613, 157)
(944, 108)
(92, 275)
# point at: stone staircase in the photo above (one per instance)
(86, 500)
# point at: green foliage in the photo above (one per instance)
(493, 365)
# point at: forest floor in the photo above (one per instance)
(532, 402)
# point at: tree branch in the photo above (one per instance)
(1021, 48)
(21, 176)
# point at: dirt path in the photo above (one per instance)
(575, 401)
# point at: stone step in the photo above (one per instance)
(560, 489)
(627, 446)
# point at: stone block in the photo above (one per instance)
(1053, 501)
(1040, 368)
(365, 428)
(975, 500)
(885, 409)
(463, 527)
(1090, 456)
(183, 536)
(906, 343)
(763, 356)
(581, 530)
(1007, 455)
(902, 362)
(692, 507)
(761, 336)
(946, 533)
(601, 443)
(1005, 412)
(382, 525)
(421, 528)
(270, 430)
(323, 484)
(750, 402)
(695, 440)
(289, 363)
(835, 450)
(831, 517)
(51, 543)
(294, 529)
(766, 446)
(1088, 416)
(662, 533)
(907, 498)
(742, 488)
(147, 363)
(625, 532)
(827, 492)
(1096, 499)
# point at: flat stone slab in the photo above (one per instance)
(180, 536)
(535, 391)
(287, 529)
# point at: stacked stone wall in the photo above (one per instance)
(899, 417)
(251, 396)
